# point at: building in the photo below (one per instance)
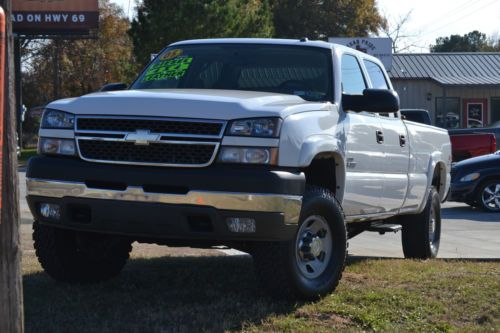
(460, 90)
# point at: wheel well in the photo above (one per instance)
(439, 179)
(486, 179)
(327, 170)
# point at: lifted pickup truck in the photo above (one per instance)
(282, 148)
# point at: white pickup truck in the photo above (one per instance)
(282, 148)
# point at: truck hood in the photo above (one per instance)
(189, 103)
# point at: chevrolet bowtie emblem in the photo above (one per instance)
(142, 137)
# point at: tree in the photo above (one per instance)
(474, 41)
(11, 291)
(85, 64)
(161, 22)
(320, 19)
(402, 40)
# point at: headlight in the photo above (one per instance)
(470, 177)
(56, 146)
(250, 155)
(57, 119)
(260, 127)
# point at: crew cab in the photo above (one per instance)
(281, 148)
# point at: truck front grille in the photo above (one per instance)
(153, 125)
(148, 141)
(158, 153)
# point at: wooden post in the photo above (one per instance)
(11, 301)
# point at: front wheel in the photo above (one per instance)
(78, 257)
(421, 233)
(488, 197)
(310, 265)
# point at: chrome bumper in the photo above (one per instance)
(289, 205)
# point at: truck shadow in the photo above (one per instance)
(181, 294)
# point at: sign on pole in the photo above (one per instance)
(380, 48)
(54, 17)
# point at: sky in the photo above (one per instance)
(428, 20)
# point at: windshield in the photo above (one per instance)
(301, 71)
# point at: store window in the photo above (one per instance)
(475, 112)
(448, 112)
(495, 111)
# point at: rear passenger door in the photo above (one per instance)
(364, 155)
(395, 145)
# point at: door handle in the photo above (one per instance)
(380, 136)
(402, 140)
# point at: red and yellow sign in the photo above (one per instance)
(54, 17)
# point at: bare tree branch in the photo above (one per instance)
(402, 39)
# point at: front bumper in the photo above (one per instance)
(166, 203)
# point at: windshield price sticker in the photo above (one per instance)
(173, 68)
(171, 54)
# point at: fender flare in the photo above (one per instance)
(323, 144)
(434, 161)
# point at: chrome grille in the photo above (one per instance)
(148, 141)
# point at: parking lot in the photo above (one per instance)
(466, 233)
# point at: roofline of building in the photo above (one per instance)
(445, 84)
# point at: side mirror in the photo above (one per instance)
(372, 100)
(113, 87)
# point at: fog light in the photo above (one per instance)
(57, 146)
(249, 155)
(241, 224)
(50, 211)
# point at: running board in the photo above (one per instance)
(382, 228)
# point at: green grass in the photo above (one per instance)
(216, 294)
(26, 154)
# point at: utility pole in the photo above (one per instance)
(57, 79)
(19, 90)
(11, 292)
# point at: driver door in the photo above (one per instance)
(364, 153)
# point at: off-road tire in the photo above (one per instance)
(418, 241)
(77, 257)
(276, 263)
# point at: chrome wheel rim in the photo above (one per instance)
(491, 197)
(313, 246)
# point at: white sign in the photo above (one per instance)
(380, 48)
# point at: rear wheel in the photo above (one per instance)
(310, 265)
(79, 257)
(488, 196)
(421, 233)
